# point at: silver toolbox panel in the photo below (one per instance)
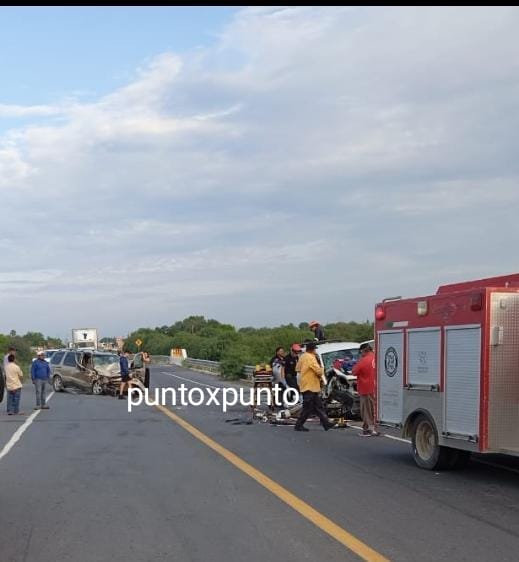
(390, 376)
(462, 380)
(423, 356)
(503, 389)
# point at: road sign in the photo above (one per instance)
(138, 343)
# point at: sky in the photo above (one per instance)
(259, 166)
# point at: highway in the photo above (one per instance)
(89, 481)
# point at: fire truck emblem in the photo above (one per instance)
(391, 362)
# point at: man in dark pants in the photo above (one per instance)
(146, 359)
(310, 385)
(290, 366)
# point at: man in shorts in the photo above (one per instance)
(125, 373)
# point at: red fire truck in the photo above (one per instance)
(448, 370)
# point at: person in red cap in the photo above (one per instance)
(290, 366)
(365, 372)
(317, 329)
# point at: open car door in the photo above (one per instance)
(137, 367)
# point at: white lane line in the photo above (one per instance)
(21, 430)
(385, 434)
(397, 438)
(190, 380)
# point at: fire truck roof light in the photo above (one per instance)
(380, 313)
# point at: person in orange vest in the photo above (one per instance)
(310, 386)
(364, 370)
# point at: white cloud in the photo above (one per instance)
(313, 159)
(10, 110)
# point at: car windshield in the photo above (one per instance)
(331, 356)
(106, 360)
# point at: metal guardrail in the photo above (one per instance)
(160, 359)
(214, 366)
(203, 365)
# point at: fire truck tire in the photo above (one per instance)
(427, 452)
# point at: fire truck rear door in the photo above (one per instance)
(390, 376)
(462, 380)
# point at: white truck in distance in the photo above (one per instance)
(85, 338)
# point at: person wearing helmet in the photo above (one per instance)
(317, 329)
(290, 366)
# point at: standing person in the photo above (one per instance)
(364, 370)
(278, 369)
(279, 357)
(13, 376)
(310, 385)
(318, 330)
(40, 375)
(125, 373)
(10, 351)
(146, 360)
(290, 366)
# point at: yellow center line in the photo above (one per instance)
(327, 525)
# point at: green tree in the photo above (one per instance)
(35, 339)
(212, 340)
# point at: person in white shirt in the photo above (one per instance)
(10, 351)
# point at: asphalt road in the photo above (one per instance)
(87, 480)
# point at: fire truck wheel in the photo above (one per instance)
(427, 452)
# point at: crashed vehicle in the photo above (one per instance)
(90, 371)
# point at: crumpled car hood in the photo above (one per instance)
(111, 371)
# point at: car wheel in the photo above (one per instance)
(97, 388)
(427, 452)
(57, 384)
